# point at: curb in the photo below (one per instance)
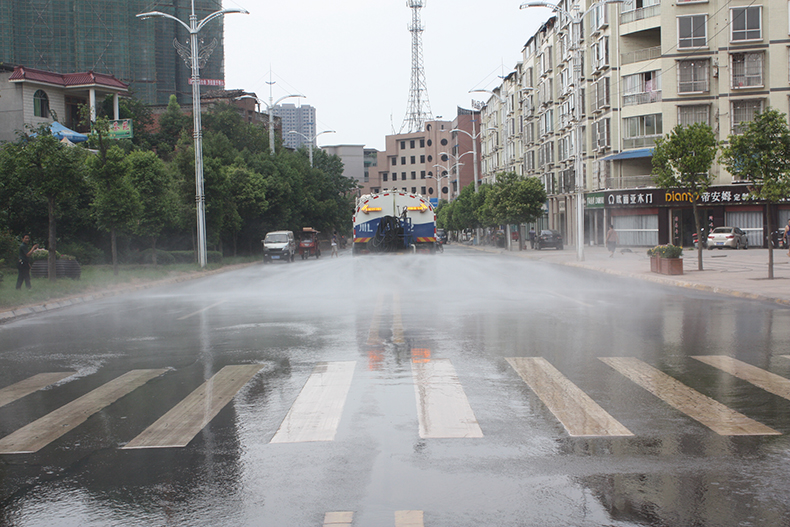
(51, 305)
(648, 278)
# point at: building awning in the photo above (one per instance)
(630, 154)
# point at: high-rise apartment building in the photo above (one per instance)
(297, 119)
(106, 37)
(645, 67)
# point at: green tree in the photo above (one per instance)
(682, 160)
(116, 205)
(173, 123)
(51, 171)
(514, 199)
(761, 155)
(150, 178)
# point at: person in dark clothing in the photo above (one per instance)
(23, 264)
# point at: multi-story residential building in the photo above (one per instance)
(107, 38)
(297, 119)
(437, 162)
(418, 163)
(646, 67)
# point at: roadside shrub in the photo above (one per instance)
(214, 256)
(43, 254)
(84, 252)
(9, 246)
(162, 257)
(183, 257)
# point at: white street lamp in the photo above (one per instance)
(270, 110)
(311, 140)
(196, 60)
(473, 137)
(439, 178)
(576, 19)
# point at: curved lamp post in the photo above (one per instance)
(311, 140)
(196, 59)
(576, 19)
(269, 107)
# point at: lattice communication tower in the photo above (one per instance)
(419, 109)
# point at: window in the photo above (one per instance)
(601, 134)
(444, 157)
(384, 177)
(403, 176)
(422, 190)
(693, 76)
(422, 174)
(642, 131)
(747, 70)
(422, 159)
(641, 88)
(698, 113)
(403, 160)
(744, 112)
(394, 176)
(413, 159)
(601, 53)
(444, 142)
(746, 23)
(601, 93)
(413, 190)
(411, 143)
(394, 161)
(403, 145)
(414, 175)
(41, 104)
(692, 31)
(422, 143)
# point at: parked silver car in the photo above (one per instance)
(732, 237)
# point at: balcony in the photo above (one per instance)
(625, 182)
(640, 14)
(640, 142)
(639, 55)
(642, 98)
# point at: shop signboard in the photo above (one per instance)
(595, 200)
(120, 129)
(635, 198)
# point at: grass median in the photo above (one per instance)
(97, 278)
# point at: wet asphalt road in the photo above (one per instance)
(391, 316)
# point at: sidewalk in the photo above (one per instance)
(741, 274)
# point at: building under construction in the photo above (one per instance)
(105, 37)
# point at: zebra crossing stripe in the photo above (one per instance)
(32, 384)
(183, 422)
(315, 415)
(578, 413)
(338, 518)
(770, 382)
(711, 413)
(409, 519)
(39, 433)
(443, 410)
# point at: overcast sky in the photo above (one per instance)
(352, 58)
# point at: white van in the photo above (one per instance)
(279, 245)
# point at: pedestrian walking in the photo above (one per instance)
(612, 239)
(334, 246)
(786, 237)
(532, 237)
(23, 262)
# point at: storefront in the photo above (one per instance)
(648, 217)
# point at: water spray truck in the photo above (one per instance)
(394, 222)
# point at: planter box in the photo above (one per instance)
(670, 265)
(655, 265)
(63, 269)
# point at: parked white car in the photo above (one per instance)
(732, 237)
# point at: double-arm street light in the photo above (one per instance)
(270, 110)
(439, 178)
(456, 166)
(196, 60)
(473, 136)
(576, 19)
(311, 140)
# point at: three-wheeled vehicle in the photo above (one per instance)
(308, 244)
